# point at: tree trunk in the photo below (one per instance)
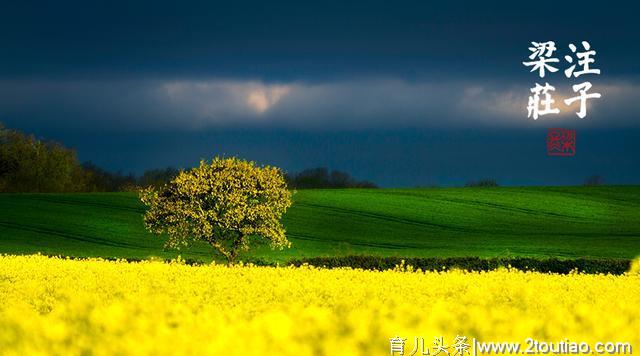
(222, 250)
(235, 248)
(232, 253)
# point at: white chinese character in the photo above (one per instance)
(583, 89)
(419, 346)
(533, 107)
(461, 346)
(543, 52)
(439, 346)
(584, 59)
(397, 345)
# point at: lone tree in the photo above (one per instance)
(223, 203)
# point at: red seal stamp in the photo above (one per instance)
(561, 142)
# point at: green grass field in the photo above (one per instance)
(560, 222)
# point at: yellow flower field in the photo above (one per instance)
(58, 306)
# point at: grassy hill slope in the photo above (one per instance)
(540, 221)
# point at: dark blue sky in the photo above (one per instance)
(402, 93)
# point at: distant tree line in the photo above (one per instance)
(482, 183)
(29, 164)
(100, 180)
(322, 177)
(590, 181)
(594, 180)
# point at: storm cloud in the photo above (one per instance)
(376, 88)
(367, 103)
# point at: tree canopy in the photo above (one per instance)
(223, 203)
(28, 164)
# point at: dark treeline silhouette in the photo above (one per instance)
(594, 180)
(322, 177)
(100, 180)
(482, 183)
(31, 165)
